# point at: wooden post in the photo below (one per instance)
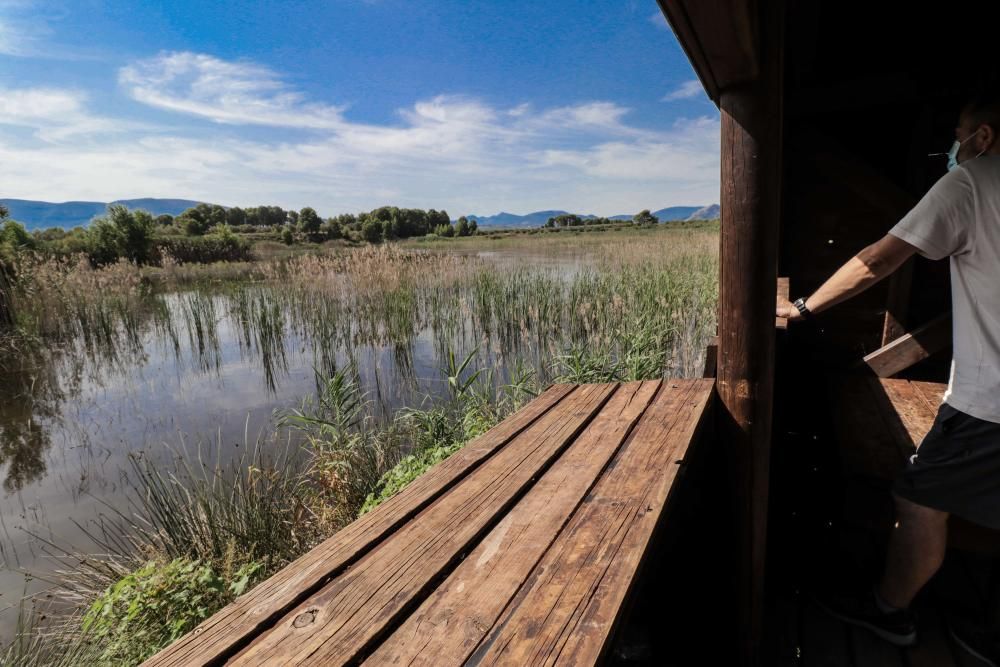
(751, 183)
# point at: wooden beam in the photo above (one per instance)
(711, 357)
(751, 187)
(719, 37)
(915, 346)
(782, 322)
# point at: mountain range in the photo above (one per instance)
(538, 218)
(42, 214)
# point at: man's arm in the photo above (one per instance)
(859, 273)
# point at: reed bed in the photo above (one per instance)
(603, 307)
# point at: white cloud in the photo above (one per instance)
(54, 114)
(685, 91)
(448, 151)
(23, 28)
(222, 91)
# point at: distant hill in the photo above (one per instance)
(706, 213)
(502, 219)
(538, 218)
(43, 214)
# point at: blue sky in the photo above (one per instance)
(345, 105)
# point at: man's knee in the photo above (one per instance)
(909, 511)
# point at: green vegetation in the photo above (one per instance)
(639, 304)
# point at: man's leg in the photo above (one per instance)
(916, 551)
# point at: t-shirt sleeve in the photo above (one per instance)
(940, 225)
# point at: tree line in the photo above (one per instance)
(209, 232)
(643, 217)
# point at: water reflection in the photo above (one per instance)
(212, 365)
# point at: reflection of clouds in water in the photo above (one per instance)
(214, 366)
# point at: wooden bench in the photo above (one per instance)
(521, 548)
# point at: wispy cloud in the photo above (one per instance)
(685, 91)
(451, 151)
(54, 114)
(223, 91)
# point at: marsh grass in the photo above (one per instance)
(635, 305)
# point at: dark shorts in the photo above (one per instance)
(956, 468)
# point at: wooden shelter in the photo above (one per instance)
(531, 546)
(829, 111)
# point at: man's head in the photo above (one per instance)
(979, 126)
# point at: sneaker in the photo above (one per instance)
(859, 608)
(977, 642)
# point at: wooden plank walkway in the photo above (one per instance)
(521, 548)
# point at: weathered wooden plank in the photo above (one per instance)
(568, 607)
(227, 631)
(912, 409)
(933, 393)
(905, 411)
(453, 620)
(782, 322)
(915, 346)
(340, 623)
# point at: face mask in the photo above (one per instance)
(953, 153)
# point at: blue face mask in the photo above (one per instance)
(953, 153)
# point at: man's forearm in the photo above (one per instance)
(855, 276)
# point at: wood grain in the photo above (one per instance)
(227, 631)
(340, 623)
(910, 348)
(568, 608)
(453, 620)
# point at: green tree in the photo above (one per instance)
(236, 217)
(331, 229)
(199, 219)
(445, 230)
(309, 223)
(164, 220)
(462, 227)
(372, 230)
(14, 235)
(644, 217)
(286, 235)
(121, 233)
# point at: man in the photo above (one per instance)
(956, 469)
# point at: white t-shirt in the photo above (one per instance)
(959, 217)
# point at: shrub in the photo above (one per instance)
(372, 231)
(221, 247)
(121, 234)
(286, 235)
(156, 604)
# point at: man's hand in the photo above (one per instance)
(787, 310)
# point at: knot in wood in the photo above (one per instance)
(305, 618)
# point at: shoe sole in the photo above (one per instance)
(968, 649)
(902, 641)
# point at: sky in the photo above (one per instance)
(471, 106)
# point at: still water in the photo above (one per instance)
(217, 367)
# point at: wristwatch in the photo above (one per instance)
(801, 305)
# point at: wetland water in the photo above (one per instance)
(203, 371)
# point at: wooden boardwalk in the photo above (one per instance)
(521, 548)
